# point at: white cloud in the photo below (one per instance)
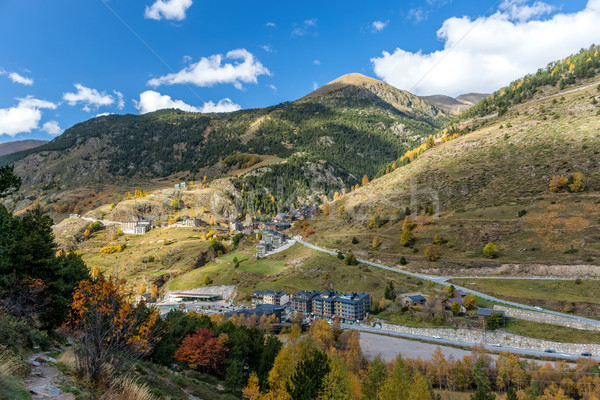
(211, 70)
(104, 114)
(317, 62)
(24, 117)
(120, 99)
(378, 26)
(520, 11)
(267, 48)
(272, 87)
(187, 59)
(485, 54)
(152, 101)
(16, 78)
(418, 14)
(270, 24)
(315, 86)
(52, 128)
(90, 97)
(168, 9)
(309, 26)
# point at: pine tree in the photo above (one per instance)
(482, 384)
(336, 385)
(309, 375)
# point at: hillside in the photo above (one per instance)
(298, 151)
(490, 178)
(454, 105)
(19, 145)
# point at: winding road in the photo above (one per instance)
(441, 280)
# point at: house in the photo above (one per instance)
(413, 300)
(484, 313)
(236, 226)
(262, 249)
(351, 307)
(190, 296)
(280, 217)
(146, 298)
(448, 304)
(302, 301)
(257, 296)
(192, 222)
(271, 240)
(459, 293)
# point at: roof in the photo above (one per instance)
(417, 297)
(270, 307)
(199, 295)
(307, 294)
(351, 298)
(461, 292)
(458, 300)
(486, 312)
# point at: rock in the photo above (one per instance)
(52, 360)
(46, 390)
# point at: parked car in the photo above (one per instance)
(550, 351)
(538, 308)
(496, 344)
(586, 354)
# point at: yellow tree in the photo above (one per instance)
(252, 389)
(376, 242)
(578, 182)
(365, 179)
(336, 384)
(322, 334)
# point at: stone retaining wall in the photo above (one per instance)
(547, 318)
(496, 337)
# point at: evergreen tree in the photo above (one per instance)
(307, 381)
(389, 291)
(267, 359)
(336, 384)
(483, 390)
(9, 182)
(376, 373)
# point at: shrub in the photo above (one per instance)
(439, 239)
(557, 183)
(403, 261)
(577, 182)
(354, 240)
(432, 253)
(340, 255)
(351, 259)
(207, 281)
(490, 250)
(113, 249)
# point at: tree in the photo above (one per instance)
(9, 182)
(432, 253)
(577, 182)
(365, 179)
(354, 240)
(470, 301)
(403, 260)
(439, 239)
(376, 242)
(252, 389)
(490, 250)
(322, 334)
(482, 384)
(430, 142)
(267, 359)
(389, 291)
(336, 384)
(397, 384)
(455, 308)
(207, 281)
(408, 224)
(110, 329)
(350, 259)
(376, 373)
(307, 381)
(557, 183)
(407, 239)
(203, 351)
(494, 321)
(175, 205)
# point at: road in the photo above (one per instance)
(441, 280)
(392, 349)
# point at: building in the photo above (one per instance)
(189, 296)
(259, 311)
(302, 301)
(192, 222)
(138, 227)
(351, 307)
(484, 313)
(323, 304)
(448, 304)
(413, 300)
(262, 249)
(236, 226)
(271, 240)
(273, 297)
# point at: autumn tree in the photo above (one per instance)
(455, 308)
(407, 238)
(490, 250)
(365, 179)
(110, 329)
(203, 351)
(577, 182)
(557, 183)
(432, 253)
(322, 334)
(252, 389)
(376, 242)
(372, 381)
(336, 384)
(470, 301)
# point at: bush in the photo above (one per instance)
(351, 259)
(432, 253)
(113, 249)
(490, 250)
(403, 261)
(354, 240)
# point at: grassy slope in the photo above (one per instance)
(297, 268)
(483, 179)
(551, 294)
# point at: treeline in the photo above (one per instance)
(563, 73)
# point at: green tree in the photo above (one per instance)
(397, 384)
(490, 250)
(470, 301)
(351, 259)
(375, 376)
(267, 359)
(354, 240)
(175, 205)
(389, 291)
(9, 182)
(307, 380)
(494, 321)
(403, 260)
(483, 390)
(336, 384)
(455, 308)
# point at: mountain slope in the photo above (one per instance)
(19, 145)
(327, 141)
(453, 105)
(491, 183)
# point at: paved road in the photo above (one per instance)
(442, 281)
(525, 352)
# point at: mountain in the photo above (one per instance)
(490, 178)
(453, 105)
(19, 145)
(289, 153)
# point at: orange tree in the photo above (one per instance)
(203, 351)
(110, 329)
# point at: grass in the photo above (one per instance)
(553, 333)
(408, 319)
(297, 268)
(551, 294)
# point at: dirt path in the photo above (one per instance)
(45, 379)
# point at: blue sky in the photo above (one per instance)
(62, 62)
